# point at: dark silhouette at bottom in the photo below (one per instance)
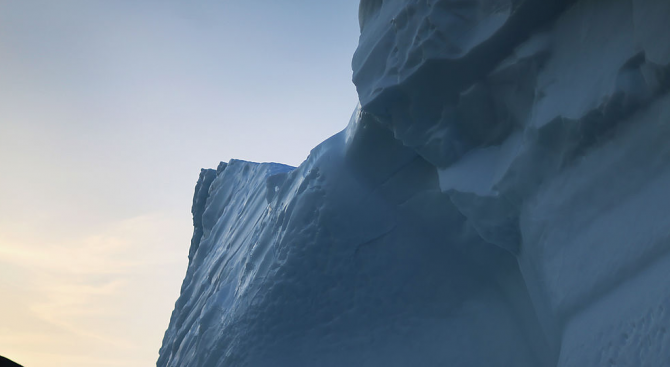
(4, 362)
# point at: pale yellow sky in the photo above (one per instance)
(108, 110)
(98, 299)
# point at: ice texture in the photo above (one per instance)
(500, 197)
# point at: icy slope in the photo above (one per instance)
(500, 198)
(353, 259)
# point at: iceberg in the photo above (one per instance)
(500, 197)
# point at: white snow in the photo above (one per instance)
(501, 197)
(343, 267)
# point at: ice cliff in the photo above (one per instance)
(500, 197)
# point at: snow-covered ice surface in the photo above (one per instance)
(501, 197)
(343, 262)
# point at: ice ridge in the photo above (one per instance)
(499, 198)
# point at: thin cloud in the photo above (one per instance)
(85, 288)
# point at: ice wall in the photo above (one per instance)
(501, 197)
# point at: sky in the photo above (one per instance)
(108, 110)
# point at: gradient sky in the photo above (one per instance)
(108, 110)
